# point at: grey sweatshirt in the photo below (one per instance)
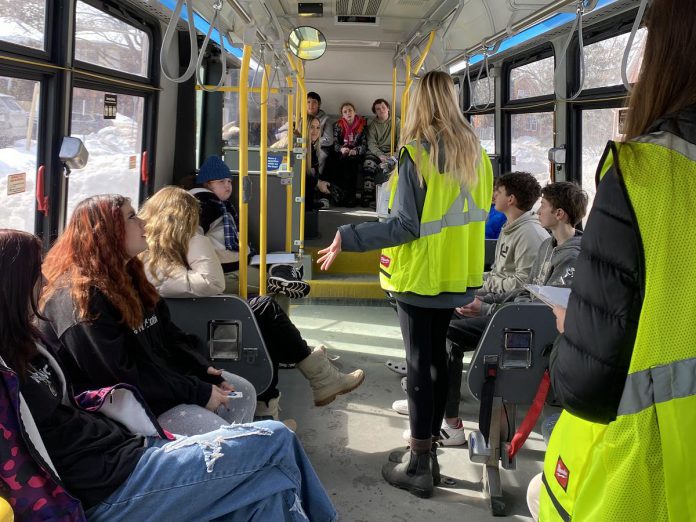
(554, 266)
(379, 136)
(515, 252)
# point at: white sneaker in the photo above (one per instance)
(449, 436)
(400, 407)
(404, 383)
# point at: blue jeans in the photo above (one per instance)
(242, 472)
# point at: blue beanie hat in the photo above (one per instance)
(213, 168)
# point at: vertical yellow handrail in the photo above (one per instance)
(393, 112)
(263, 183)
(288, 188)
(404, 95)
(243, 169)
(302, 95)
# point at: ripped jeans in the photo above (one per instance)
(244, 472)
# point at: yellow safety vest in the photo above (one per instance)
(449, 254)
(642, 466)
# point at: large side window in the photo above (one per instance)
(603, 60)
(532, 80)
(111, 127)
(484, 127)
(19, 116)
(105, 41)
(531, 138)
(23, 22)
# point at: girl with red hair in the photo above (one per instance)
(114, 328)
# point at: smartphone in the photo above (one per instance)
(235, 395)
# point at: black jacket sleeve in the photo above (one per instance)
(590, 361)
(106, 352)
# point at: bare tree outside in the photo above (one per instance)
(23, 22)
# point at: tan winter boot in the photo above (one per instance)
(272, 409)
(325, 379)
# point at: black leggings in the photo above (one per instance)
(282, 338)
(424, 331)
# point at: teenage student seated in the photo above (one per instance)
(104, 457)
(180, 262)
(218, 221)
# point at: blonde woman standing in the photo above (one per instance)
(432, 253)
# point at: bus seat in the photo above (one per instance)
(230, 336)
(489, 253)
(505, 372)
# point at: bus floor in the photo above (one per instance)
(350, 439)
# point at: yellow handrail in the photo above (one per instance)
(421, 61)
(288, 188)
(263, 183)
(404, 95)
(393, 111)
(243, 169)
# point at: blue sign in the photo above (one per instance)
(273, 161)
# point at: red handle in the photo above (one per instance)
(144, 170)
(41, 199)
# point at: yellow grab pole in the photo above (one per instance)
(305, 138)
(288, 188)
(421, 61)
(404, 95)
(263, 183)
(393, 111)
(243, 169)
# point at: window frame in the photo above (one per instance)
(536, 54)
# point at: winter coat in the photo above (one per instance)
(590, 361)
(28, 478)
(157, 357)
(203, 279)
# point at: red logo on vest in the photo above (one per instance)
(562, 474)
(384, 261)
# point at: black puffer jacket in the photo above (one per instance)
(590, 361)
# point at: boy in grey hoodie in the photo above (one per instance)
(563, 205)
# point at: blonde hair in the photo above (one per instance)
(171, 219)
(434, 117)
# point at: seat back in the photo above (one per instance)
(231, 338)
(518, 340)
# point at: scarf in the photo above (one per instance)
(351, 132)
(230, 226)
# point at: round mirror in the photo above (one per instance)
(307, 43)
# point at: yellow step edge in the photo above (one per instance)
(346, 289)
(351, 262)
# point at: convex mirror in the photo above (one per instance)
(307, 43)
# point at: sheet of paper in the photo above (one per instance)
(275, 258)
(551, 295)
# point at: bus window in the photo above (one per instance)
(482, 96)
(24, 23)
(484, 127)
(101, 39)
(532, 137)
(598, 127)
(532, 80)
(19, 116)
(114, 145)
(603, 60)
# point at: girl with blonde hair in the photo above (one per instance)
(432, 253)
(181, 262)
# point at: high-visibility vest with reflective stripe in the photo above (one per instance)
(449, 254)
(642, 466)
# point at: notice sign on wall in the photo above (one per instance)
(110, 106)
(16, 183)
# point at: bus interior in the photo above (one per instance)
(151, 88)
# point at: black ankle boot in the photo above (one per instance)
(403, 456)
(414, 475)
